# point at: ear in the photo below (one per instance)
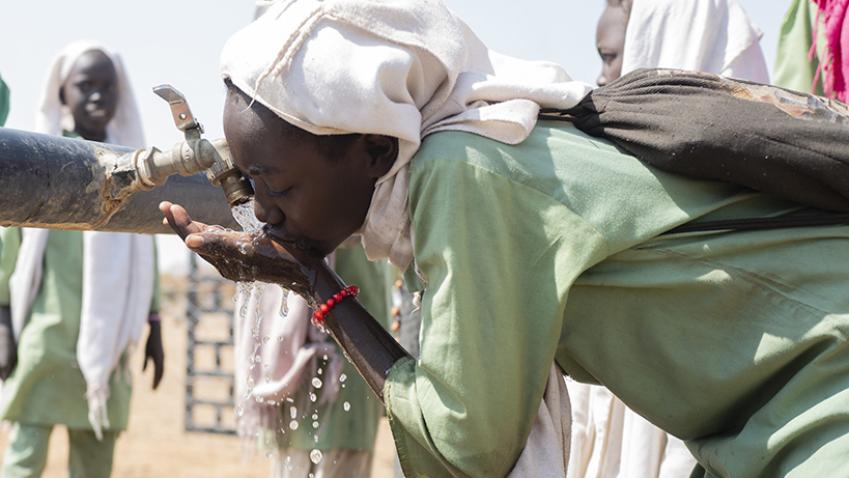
(383, 151)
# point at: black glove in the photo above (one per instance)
(8, 347)
(153, 351)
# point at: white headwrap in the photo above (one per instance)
(53, 117)
(117, 267)
(401, 68)
(714, 36)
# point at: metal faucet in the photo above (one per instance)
(152, 167)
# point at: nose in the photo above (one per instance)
(267, 212)
(95, 96)
(601, 80)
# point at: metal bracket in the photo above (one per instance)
(180, 111)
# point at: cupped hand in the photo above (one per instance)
(240, 256)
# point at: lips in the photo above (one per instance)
(294, 243)
(95, 111)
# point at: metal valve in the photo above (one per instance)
(180, 111)
(195, 154)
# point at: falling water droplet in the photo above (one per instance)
(315, 456)
(346, 406)
(293, 425)
(313, 397)
(316, 382)
(293, 412)
(342, 378)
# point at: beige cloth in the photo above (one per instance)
(546, 453)
(715, 36)
(597, 431)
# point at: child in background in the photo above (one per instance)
(78, 300)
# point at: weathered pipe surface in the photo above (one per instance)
(61, 183)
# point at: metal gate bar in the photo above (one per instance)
(206, 298)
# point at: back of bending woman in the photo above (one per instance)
(534, 246)
(716, 36)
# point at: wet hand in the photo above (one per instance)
(240, 256)
(154, 352)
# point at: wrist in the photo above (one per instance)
(154, 319)
(322, 311)
(324, 282)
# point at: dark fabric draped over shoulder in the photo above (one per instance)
(774, 140)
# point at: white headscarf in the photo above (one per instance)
(714, 36)
(401, 68)
(53, 117)
(118, 269)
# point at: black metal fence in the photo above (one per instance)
(209, 363)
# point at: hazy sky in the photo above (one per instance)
(178, 42)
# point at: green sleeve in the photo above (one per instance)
(4, 102)
(10, 243)
(157, 291)
(793, 68)
(498, 259)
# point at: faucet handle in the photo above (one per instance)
(180, 111)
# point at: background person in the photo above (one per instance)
(78, 300)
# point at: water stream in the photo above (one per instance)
(251, 292)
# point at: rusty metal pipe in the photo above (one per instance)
(61, 183)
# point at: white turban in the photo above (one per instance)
(400, 68)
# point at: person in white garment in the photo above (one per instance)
(77, 301)
(716, 36)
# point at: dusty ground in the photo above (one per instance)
(156, 445)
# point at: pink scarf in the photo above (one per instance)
(835, 66)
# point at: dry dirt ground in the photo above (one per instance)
(156, 445)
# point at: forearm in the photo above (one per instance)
(369, 346)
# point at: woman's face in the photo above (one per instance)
(610, 41)
(91, 94)
(312, 189)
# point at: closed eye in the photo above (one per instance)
(279, 193)
(266, 188)
(607, 57)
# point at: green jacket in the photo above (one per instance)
(550, 252)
